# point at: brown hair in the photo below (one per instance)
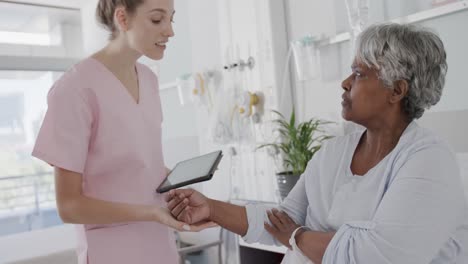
(105, 12)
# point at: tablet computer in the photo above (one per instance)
(190, 171)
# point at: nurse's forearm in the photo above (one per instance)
(84, 210)
(313, 244)
(229, 216)
(74, 207)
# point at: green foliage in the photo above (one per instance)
(298, 142)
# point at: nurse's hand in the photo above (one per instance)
(282, 226)
(164, 216)
(189, 206)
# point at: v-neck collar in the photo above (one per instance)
(356, 142)
(136, 102)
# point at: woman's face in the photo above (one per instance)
(365, 98)
(150, 27)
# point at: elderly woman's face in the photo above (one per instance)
(365, 98)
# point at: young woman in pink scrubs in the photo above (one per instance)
(102, 133)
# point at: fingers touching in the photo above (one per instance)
(173, 193)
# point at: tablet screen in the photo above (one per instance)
(192, 169)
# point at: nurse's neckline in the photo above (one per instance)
(135, 100)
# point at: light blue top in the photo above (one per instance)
(409, 208)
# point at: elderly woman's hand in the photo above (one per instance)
(282, 226)
(189, 206)
(164, 216)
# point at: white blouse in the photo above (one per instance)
(409, 208)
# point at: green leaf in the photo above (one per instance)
(292, 121)
(298, 142)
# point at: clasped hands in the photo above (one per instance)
(193, 208)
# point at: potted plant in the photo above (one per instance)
(297, 144)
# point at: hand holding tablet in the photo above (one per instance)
(190, 171)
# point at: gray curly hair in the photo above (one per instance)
(406, 52)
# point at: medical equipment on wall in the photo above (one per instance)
(306, 58)
(228, 123)
(185, 84)
(358, 15)
(246, 103)
(241, 65)
(199, 87)
(201, 94)
(235, 110)
(221, 124)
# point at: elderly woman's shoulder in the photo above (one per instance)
(341, 142)
(422, 144)
(414, 138)
(419, 137)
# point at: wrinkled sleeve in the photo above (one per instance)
(420, 210)
(65, 132)
(295, 205)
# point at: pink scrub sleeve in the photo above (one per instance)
(65, 133)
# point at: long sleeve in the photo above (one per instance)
(423, 206)
(295, 205)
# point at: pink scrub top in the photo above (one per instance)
(93, 126)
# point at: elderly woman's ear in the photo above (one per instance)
(399, 91)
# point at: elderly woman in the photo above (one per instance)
(388, 194)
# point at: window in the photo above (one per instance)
(25, 38)
(39, 40)
(34, 30)
(27, 196)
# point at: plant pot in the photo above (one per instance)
(286, 181)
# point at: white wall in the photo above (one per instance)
(180, 138)
(455, 37)
(179, 55)
(206, 55)
(94, 36)
(316, 18)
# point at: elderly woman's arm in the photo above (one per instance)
(191, 206)
(312, 244)
(230, 216)
(419, 212)
(295, 205)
